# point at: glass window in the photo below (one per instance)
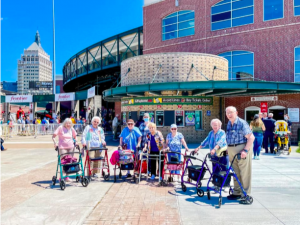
(232, 13)
(240, 65)
(297, 64)
(179, 118)
(178, 24)
(273, 9)
(160, 118)
(296, 7)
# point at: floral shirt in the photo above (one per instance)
(97, 136)
(144, 131)
(159, 139)
(175, 142)
(215, 139)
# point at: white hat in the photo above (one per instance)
(173, 126)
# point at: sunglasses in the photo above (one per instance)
(173, 128)
(129, 124)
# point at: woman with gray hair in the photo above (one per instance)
(216, 140)
(97, 139)
(66, 138)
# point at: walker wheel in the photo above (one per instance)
(137, 181)
(106, 177)
(199, 185)
(120, 175)
(85, 182)
(103, 173)
(77, 179)
(230, 191)
(208, 195)
(53, 180)
(220, 201)
(115, 178)
(183, 188)
(62, 185)
(200, 193)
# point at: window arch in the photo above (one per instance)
(178, 24)
(232, 13)
(297, 64)
(240, 65)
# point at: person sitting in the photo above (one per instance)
(216, 140)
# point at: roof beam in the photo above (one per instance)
(226, 93)
(202, 92)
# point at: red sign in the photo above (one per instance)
(263, 107)
(199, 106)
(159, 106)
(179, 106)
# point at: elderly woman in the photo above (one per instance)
(96, 138)
(216, 140)
(174, 142)
(66, 134)
(257, 126)
(155, 144)
(131, 138)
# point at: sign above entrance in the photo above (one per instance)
(18, 98)
(169, 100)
(91, 92)
(263, 107)
(65, 97)
(266, 98)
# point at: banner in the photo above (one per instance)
(266, 98)
(91, 92)
(263, 107)
(18, 98)
(168, 100)
(65, 97)
(189, 118)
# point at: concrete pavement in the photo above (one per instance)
(28, 197)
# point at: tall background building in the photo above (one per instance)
(34, 65)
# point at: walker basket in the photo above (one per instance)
(218, 179)
(71, 168)
(126, 157)
(194, 172)
(128, 166)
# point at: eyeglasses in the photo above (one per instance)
(129, 124)
(173, 128)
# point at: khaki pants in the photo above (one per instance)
(95, 164)
(242, 168)
(115, 128)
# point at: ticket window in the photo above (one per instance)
(179, 118)
(159, 118)
(198, 120)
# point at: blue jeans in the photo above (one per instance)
(257, 143)
(2, 148)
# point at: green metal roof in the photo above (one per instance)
(207, 88)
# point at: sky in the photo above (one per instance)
(78, 24)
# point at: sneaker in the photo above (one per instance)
(152, 177)
(233, 197)
(95, 175)
(257, 157)
(254, 157)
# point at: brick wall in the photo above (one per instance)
(287, 101)
(272, 42)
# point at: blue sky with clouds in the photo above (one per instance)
(78, 24)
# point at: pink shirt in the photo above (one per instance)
(65, 137)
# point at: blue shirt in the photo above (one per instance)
(215, 139)
(131, 137)
(236, 133)
(44, 122)
(174, 143)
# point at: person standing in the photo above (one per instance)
(144, 129)
(115, 124)
(287, 119)
(240, 140)
(265, 116)
(257, 126)
(269, 133)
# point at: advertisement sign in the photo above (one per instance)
(169, 100)
(293, 114)
(65, 97)
(208, 113)
(151, 115)
(91, 92)
(266, 98)
(40, 84)
(189, 118)
(263, 107)
(18, 98)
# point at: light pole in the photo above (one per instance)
(54, 83)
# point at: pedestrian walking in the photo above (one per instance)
(240, 140)
(257, 126)
(115, 124)
(269, 133)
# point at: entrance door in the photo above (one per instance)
(278, 114)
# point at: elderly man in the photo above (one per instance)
(240, 140)
(269, 133)
(115, 124)
(265, 116)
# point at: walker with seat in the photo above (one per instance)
(282, 138)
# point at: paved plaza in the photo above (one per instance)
(28, 197)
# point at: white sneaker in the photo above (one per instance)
(152, 177)
(257, 157)
(95, 175)
(254, 157)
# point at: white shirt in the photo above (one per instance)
(115, 122)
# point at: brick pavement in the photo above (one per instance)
(144, 204)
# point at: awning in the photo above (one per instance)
(206, 88)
